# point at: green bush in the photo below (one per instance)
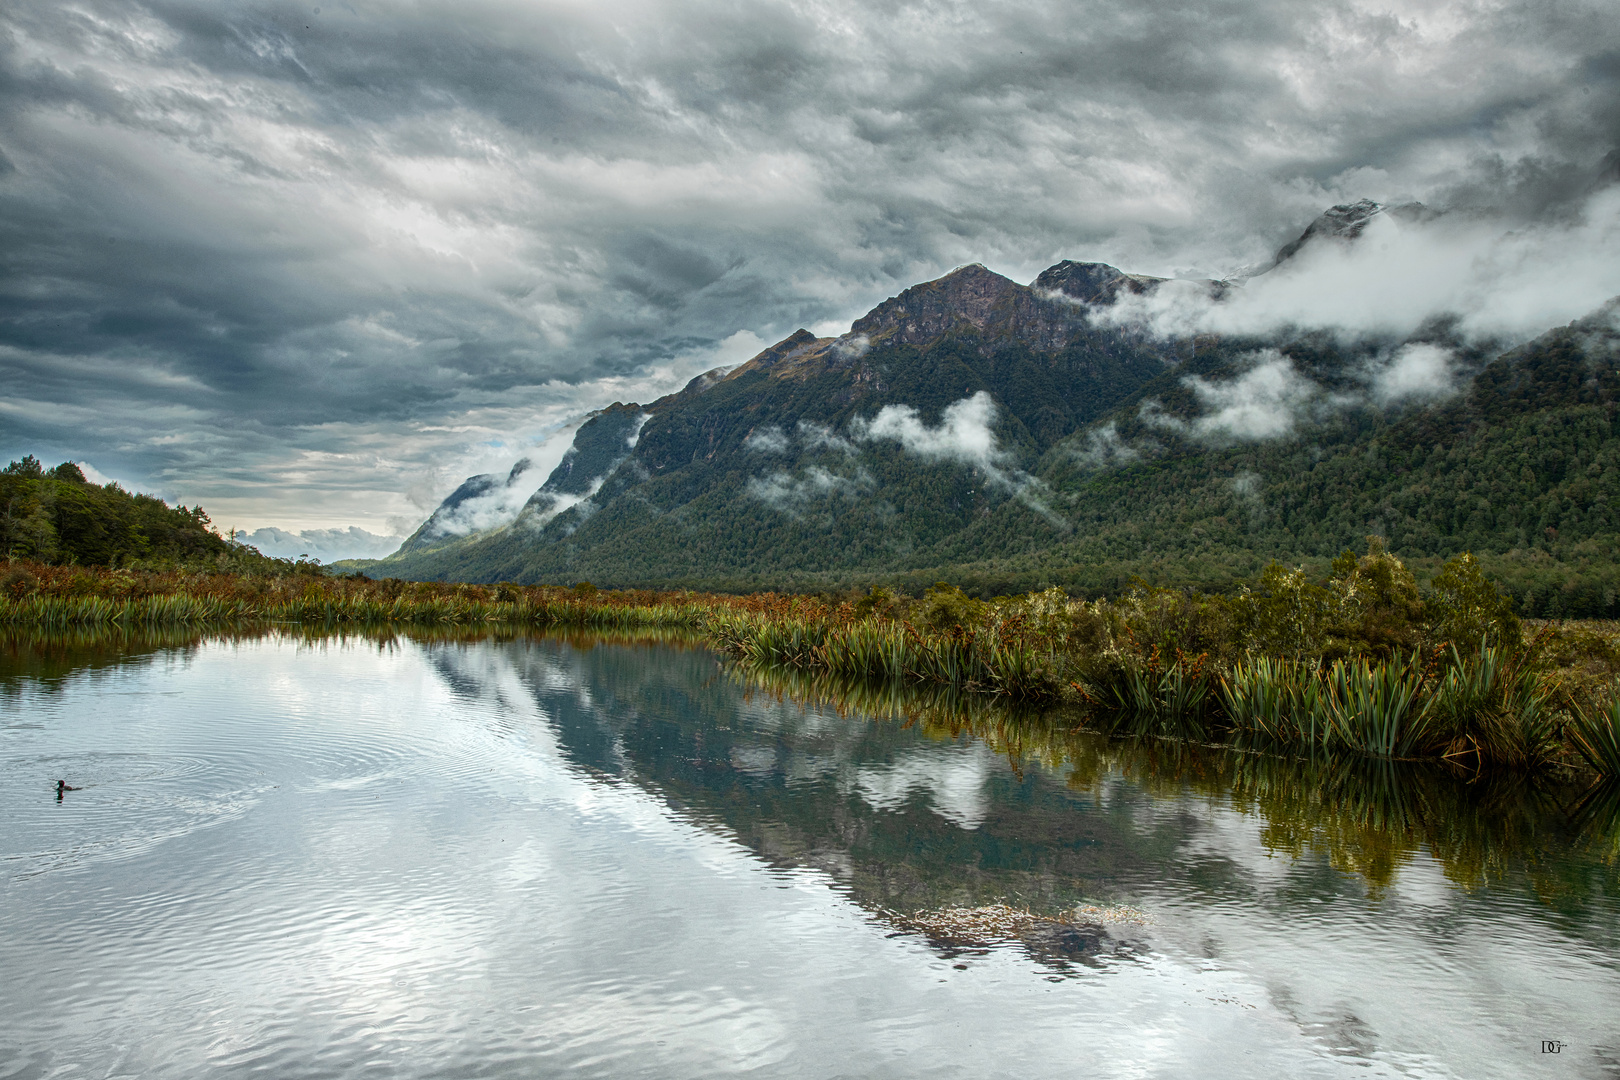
(1466, 608)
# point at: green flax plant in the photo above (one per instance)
(1595, 730)
(1597, 817)
(1154, 698)
(1377, 709)
(1275, 705)
(55, 613)
(1492, 704)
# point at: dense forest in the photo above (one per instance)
(1522, 468)
(56, 516)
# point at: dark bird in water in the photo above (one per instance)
(61, 786)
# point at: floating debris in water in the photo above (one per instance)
(993, 923)
(1122, 914)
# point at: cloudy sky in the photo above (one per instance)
(311, 266)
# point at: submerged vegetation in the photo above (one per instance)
(1363, 663)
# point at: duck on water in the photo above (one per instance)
(62, 786)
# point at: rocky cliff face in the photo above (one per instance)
(604, 440)
(1092, 283)
(970, 299)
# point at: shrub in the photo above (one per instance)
(1377, 608)
(1287, 615)
(880, 602)
(17, 583)
(1465, 606)
(946, 606)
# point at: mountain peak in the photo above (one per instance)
(1347, 221)
(1091, 282)
(969, 294)
(782, 350)
(796, 345)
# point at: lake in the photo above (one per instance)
(391, 856)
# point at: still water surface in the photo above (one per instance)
(345, 857)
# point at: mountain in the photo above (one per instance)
(1347, 222)
(324, 545)
(999, 435)
(478, 504)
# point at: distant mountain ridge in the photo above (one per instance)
(995, 433)
(456, 515)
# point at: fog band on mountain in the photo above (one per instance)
(1390, 271)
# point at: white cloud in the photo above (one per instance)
(1498, 277)
(853, 347)
(768, 440)
(1264, 402)
(963, 434)
(788, 493)
(821, 437)
(1105, 449)
(323, 545)
(550, 505)
(500, 502)
(1271, 399)
(1247, 484)
(1417, 372)
(95, 475)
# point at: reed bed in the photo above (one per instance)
(1251, 671)
(56, 598)
(880, 649)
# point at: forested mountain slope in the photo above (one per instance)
(1002, 437)
(790, 462)
(1518, 463)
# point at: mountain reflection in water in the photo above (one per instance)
(1251, 915)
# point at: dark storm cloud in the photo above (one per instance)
(258, 248)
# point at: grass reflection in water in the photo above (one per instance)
(1368, 816)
